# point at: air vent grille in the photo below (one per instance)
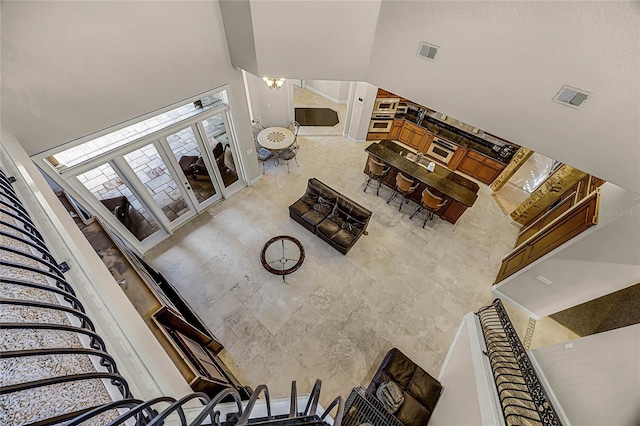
(571, 97)
(427, 51)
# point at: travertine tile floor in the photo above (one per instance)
(337, 316)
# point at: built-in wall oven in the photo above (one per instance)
(389, 105)
(441, 150)
(380, 125)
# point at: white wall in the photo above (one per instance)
(336, 91)
(603, 259)
(319, 39)
(361, 111)
(273, 107)
(73, 68)
(597, 380)
(70, 69)
(458, 379)
(500, 64)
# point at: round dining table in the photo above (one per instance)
(276, 138)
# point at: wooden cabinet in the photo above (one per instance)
(413, 135)
(374, 136)
(457, 158)
(480, 167)
(570, 223)
(470, 165)
(425, 142)
(395, 129)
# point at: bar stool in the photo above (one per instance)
(403, 190)
(429, 202)
(377, 172)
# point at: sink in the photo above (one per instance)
(423, 162)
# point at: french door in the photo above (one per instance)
(146, 189)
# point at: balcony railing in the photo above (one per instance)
(521, 394)
(56, 368)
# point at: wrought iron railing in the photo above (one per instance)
(521, 394)
(31, 279)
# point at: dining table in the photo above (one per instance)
(276, 138)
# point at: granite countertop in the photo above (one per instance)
(442, 179)
(436, 127)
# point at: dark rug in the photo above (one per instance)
(615, 310)
(316, 117)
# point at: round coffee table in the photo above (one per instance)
(282, 255)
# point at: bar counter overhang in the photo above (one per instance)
(460, 192)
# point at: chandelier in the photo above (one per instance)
(274, 82)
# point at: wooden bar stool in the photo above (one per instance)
(377, 172)
(403, 190)
(429, 202)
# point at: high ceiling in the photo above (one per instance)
(498, 66)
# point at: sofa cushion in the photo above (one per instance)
(420, 390)
(424, 388)
(299, 207)
(335, 233)
(412, 413)
(352, 212)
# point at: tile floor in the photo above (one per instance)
(306, 98)
(337, 316)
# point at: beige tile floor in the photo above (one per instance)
(337, 316)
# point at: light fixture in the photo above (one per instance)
(274, 82)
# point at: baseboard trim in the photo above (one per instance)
(324, 95)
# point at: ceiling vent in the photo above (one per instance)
(427, 51)
(571, 97)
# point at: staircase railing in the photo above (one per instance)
(521, 394)
(34, 280)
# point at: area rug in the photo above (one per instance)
(316, 117)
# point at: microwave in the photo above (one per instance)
(389, 105)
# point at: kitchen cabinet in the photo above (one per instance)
(457, 158)
(412, 135)
(395, 129)
(480, 167)
(375, 136)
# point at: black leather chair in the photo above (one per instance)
(119, 206)
(421, 391)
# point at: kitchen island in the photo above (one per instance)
(460, 192)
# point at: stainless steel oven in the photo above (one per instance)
(441, 150)
(389, 105)
(380, 125)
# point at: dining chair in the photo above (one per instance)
(262, 153)
(431, 203)
(294, 126)
(289, 154)
(403, 190)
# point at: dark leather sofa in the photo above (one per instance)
(330, 215)
(421, 391)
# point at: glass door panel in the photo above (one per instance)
(216, 133)
(154, 175)
(114, 193)
(184, 147)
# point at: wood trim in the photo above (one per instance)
(572, 222)
(542, 221)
